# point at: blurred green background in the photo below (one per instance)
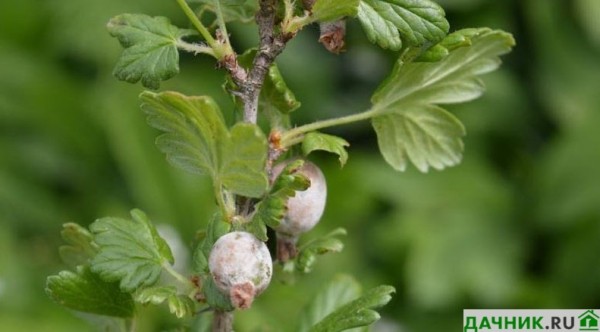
(516, 225)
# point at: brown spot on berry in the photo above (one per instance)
(242, 296)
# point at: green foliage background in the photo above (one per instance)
(516, 225)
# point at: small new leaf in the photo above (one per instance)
(307, 253)
(332, 10)
(356, 313)
(179, 305)
(276, 93)
(461, 38)
(339, 291)
(155, 295)
(318, 141)
(80, 247)
(129, 250)
(393, 23)
(272, 209)
(197, 140)
(408, 123)
(85, 291)
(150, 44)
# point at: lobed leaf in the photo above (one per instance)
(339, 291)
(408, 124)
(80, 247)
(308, 252)
(393, 24)
(150, 44)
(179, 305)
(356, 313)
(272, 209)
(427, 135)
(130, 251)
(86, 292)
(319, 141)
(197, 140)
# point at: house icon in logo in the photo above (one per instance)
(588, 321)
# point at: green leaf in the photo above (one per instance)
(197, 140)
(331, 10)
(408, 124)
(318, 141)
(276, 93)
(214, 298)
(244, 160)
(308, 252)
(427, 135)
(150, 44)
(356, 313)
(217, 227)
(129, 250)
(80, 247)
(232, 10)
(85, 291)
(179, 305)
(155, 295)
(339, 291)
(394, 23)
(461, 38)
(272, 209)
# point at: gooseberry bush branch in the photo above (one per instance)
(118, 265)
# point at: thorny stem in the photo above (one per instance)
(270, 46)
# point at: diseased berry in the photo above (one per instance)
(306, 207)
(304, 210)
(241, 267)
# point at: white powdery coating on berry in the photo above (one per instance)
(306, 208)
(239, 261)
